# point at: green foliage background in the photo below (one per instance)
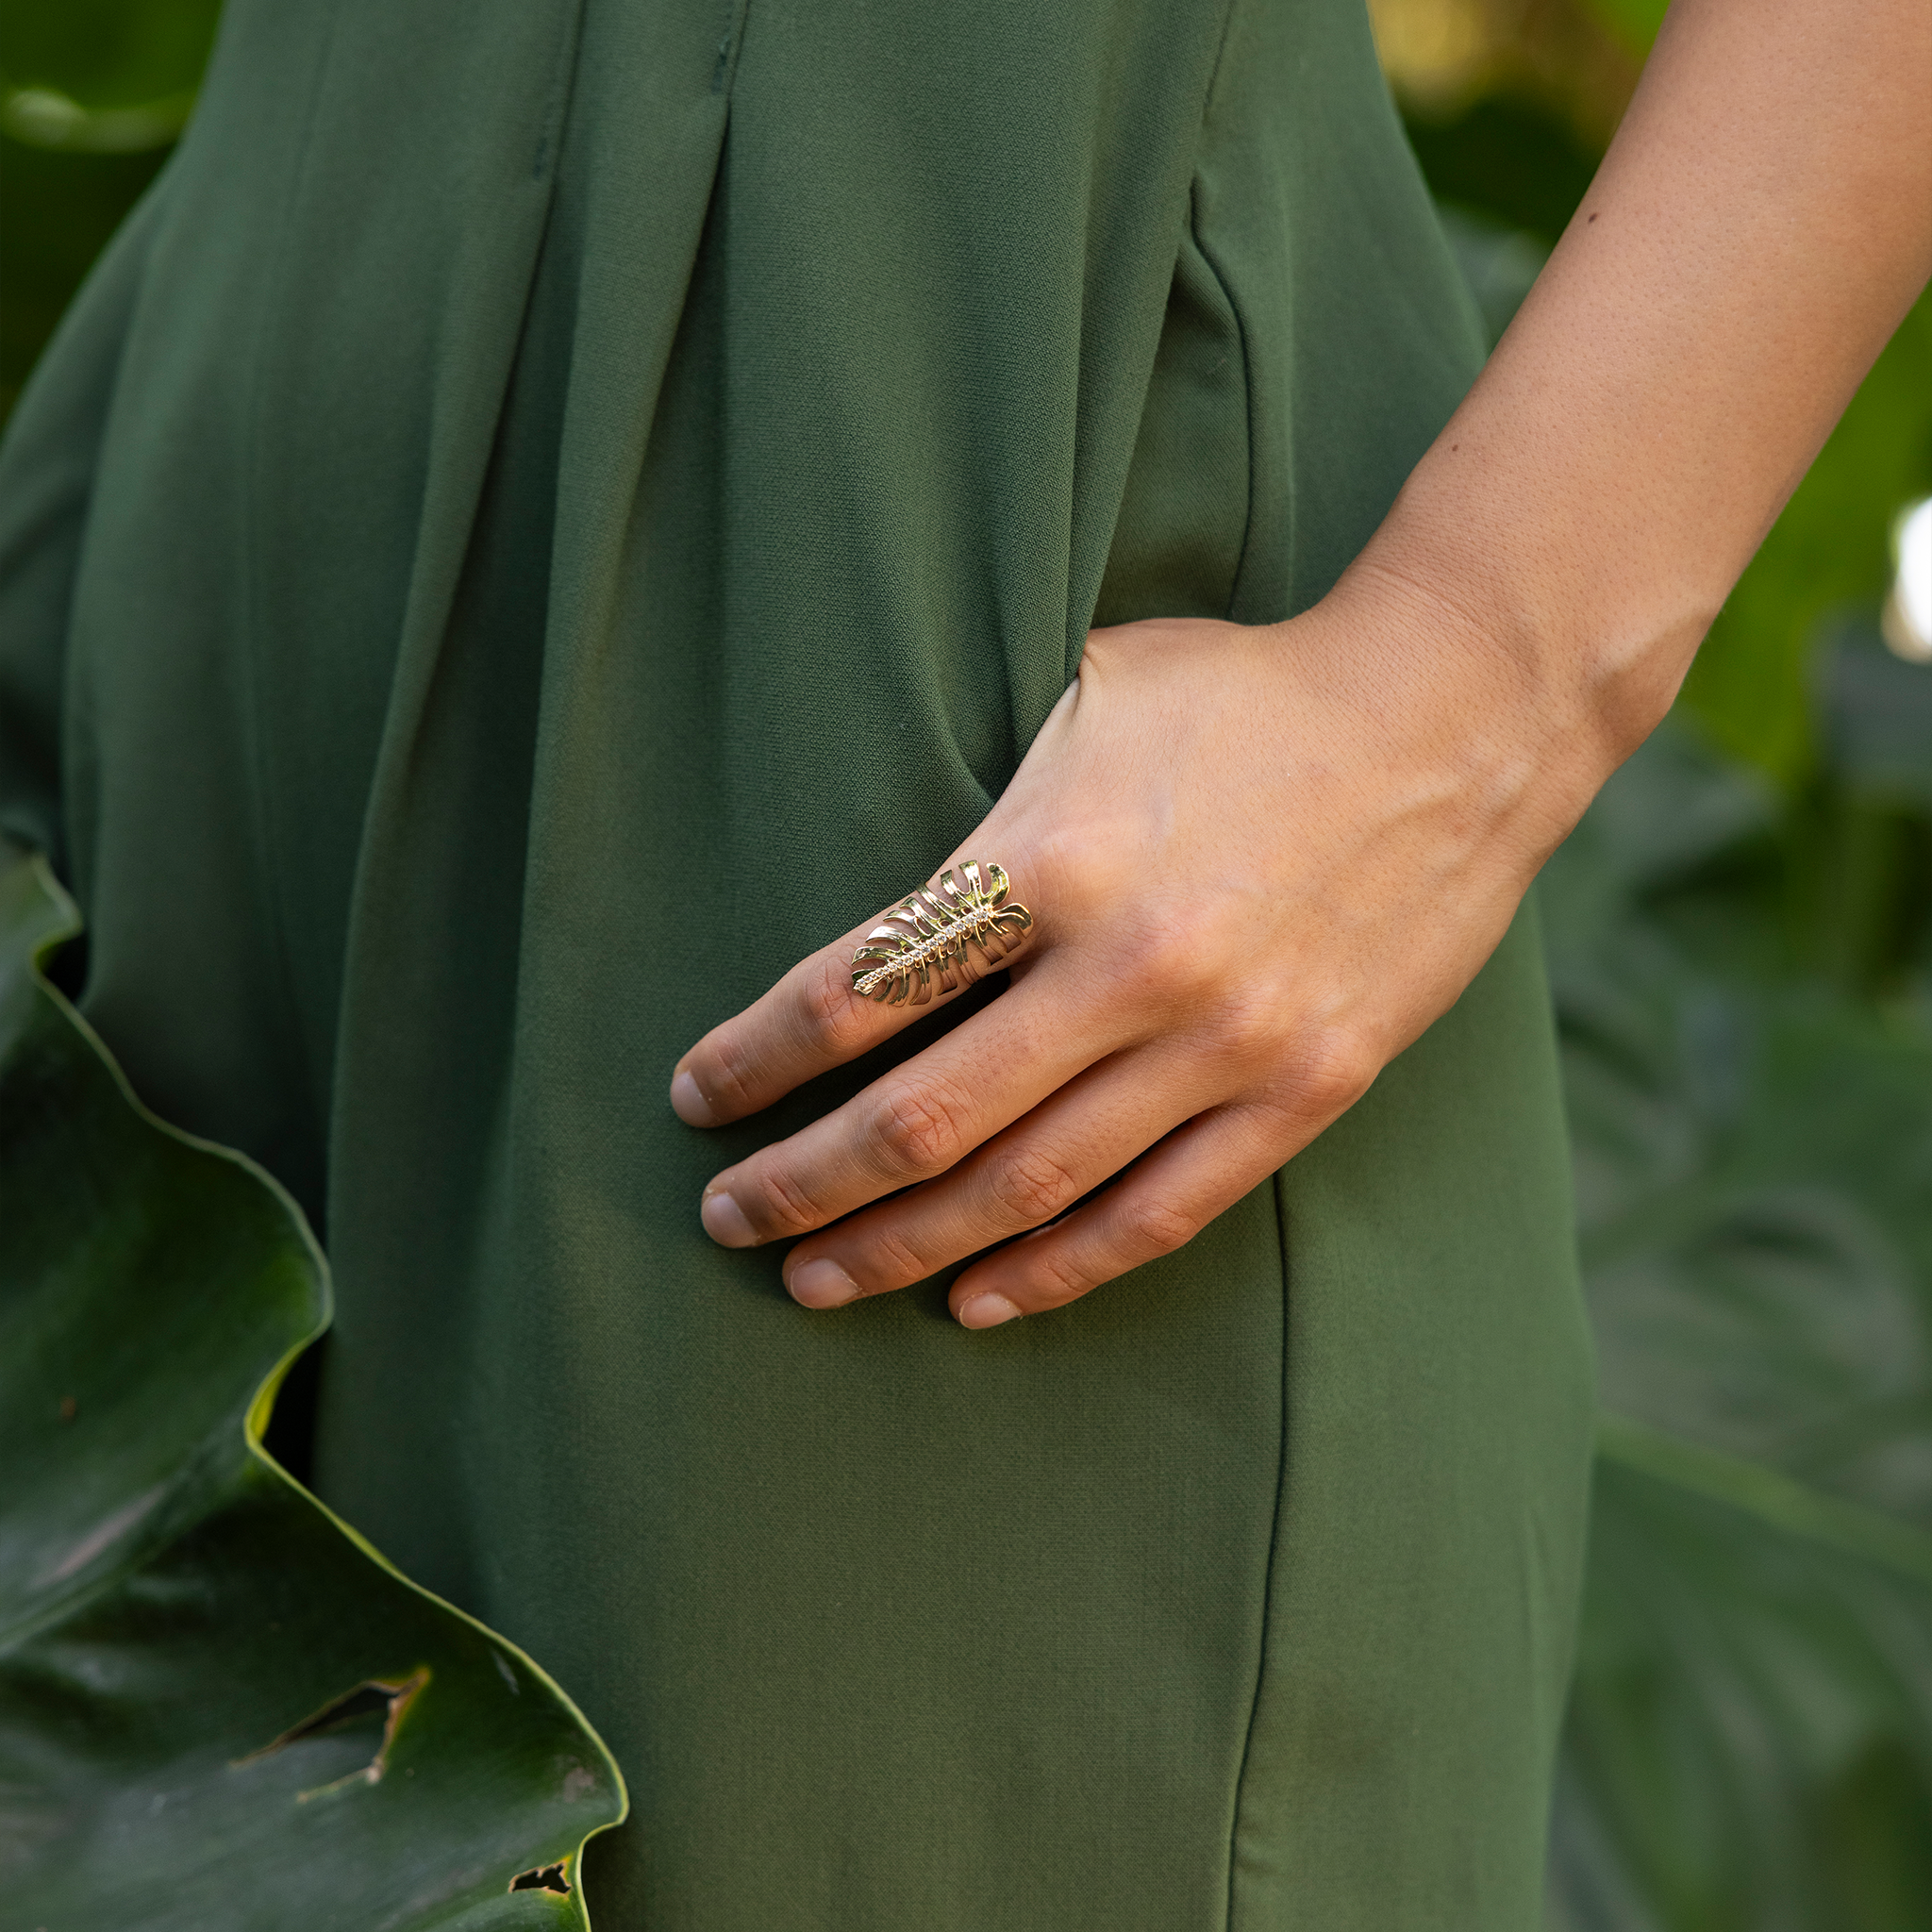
(1741, 939)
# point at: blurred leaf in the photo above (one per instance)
(1498, 262)
(1750, 1738)
(1753, 1146)
(1508, 158)
(1876, 717)
(1634, 22)
(60, 210)
(219, 1708)
(1750, 1741)
(91, 93)
(1828, 550)
(44, 117)
(1865, 888)
(107, 54)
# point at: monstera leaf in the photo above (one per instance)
(1750, 1739)
(1749, 1746)
(219, 1708)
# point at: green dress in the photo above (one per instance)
(548, 513)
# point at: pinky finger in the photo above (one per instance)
(1160, 1205)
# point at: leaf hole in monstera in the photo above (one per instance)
(375, 1698)
(543, 1878)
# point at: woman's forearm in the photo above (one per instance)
(1762, 222)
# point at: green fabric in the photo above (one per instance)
(538, 523)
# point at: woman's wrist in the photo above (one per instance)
(1597, 641)
(1485, 682)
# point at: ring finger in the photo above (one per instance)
(1078, 1139)
(1196, 1173)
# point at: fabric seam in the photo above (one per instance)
(725, 70)
(1240, 1783)
(1214, 268)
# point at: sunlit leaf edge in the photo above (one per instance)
(44, 117)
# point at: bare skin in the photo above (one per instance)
(1323, 827)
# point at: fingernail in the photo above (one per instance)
(985, 1311)
(689, 1105)
(724, 1221)
(821, 1285)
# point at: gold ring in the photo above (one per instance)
(928, 934)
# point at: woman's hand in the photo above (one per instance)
(1259, 862)
(1262, 861)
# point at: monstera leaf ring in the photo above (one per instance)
(925, 939)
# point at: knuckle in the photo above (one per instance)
(780, 1206)
(1057, 1278)
(1248, 1027)
(835, 1018)
(893, 1262)
(918, 1126)
(1030, 1186)
(1160, 1225)
(1163, 963)
(1175, 961)
(1331, 1071)
(725, 1077)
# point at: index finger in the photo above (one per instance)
(844, 999)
